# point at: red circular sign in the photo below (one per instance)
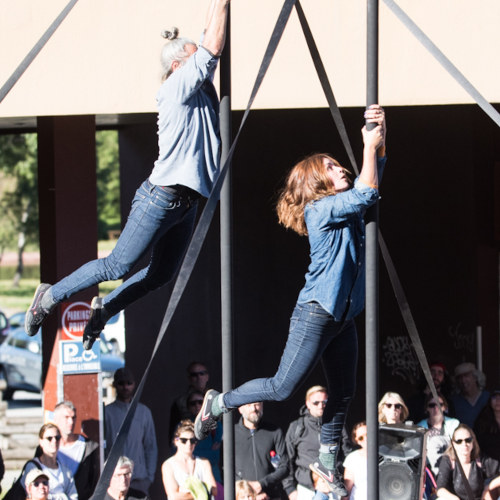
(74, 319)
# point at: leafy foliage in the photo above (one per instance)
(19, 194)
(108, 182)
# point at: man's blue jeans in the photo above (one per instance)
(158, 220)
(313, 335)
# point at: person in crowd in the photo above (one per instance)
(164, 208)
(440, 428)
(260, 453)
(487, 427)
(482, 472)
(443, 385)
(78, 453)
(472, 397)
(355, 465)
(186, 476)
(198, 377)
(209, 448)
(140, 445)
(302, 440)
(244, 491)
(61, 483)
(37, 485)
(392, 409)
(320, 201)
(2, 469)
(119, 485)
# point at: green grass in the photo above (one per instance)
(14, 300)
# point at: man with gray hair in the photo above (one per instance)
(78, 453)
(472, 397)
(164, 207)
(119, 485)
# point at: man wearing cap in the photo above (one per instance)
(37, 485)
(472, 396)
(140, 445)
(79, 454)
(119, 485)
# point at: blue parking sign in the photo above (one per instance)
(75, 359)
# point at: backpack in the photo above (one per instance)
(17, 491)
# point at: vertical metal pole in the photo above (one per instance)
(226, 264)
(372, 273)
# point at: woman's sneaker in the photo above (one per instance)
(205, 421)
(332, 478)
(36, 314)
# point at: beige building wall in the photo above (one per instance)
(104, 59)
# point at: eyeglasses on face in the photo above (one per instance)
(50, 438)
(433, 405)
(37, 483)
(195, 402)
(460, 441)
(397, 406)
(198, 374)
(185, 440)
(322, 403)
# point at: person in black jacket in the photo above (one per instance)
(76, 452)
(302, 440)
(260, 453)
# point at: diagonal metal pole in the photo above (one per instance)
(372, 340)
(226, 239)
(33, 53)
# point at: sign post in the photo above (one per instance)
(74, 374)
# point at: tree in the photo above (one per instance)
(108, 182)
(19, 193)
(19, 196)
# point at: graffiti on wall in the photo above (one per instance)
(399, 356)
(461, 341)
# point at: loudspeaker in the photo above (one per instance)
(401, 461)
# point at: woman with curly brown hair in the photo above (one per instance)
(320, 201)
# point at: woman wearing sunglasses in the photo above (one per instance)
(392, 409)
(185, 476)
(482, 472)
(355, 465)
(440, 429)
(61, 483)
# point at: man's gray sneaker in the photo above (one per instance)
(205, 421)
(36, 314)
(95, 324)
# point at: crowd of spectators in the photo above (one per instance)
(271, 464)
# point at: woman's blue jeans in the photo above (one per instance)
(158, 220)
(313, 335)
